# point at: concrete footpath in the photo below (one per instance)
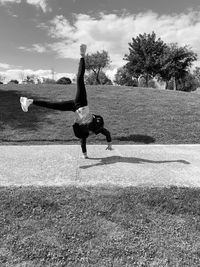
(126, 165)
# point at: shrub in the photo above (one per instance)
(188, 83)
(13, 81)
(151, 83)
(103, 79)
(122, 77)
(48, 81)
(64, 80)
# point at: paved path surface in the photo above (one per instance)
(126, 165)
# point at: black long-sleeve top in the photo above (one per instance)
(102, 131)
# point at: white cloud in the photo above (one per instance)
(35, 48)
(9, 1)
(113, 32)
(4, 66)
(41, 4)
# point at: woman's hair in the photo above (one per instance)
(97, 124)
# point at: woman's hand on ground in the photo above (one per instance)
(109, 147)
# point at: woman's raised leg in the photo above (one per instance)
(62, 105)
(81, 95)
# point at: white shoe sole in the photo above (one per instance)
(23, 105)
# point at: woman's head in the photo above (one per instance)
(97, 124)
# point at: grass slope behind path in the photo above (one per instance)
(133, 115)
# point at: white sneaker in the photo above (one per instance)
(85, 156)
(25, 103)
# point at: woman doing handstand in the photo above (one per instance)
(85, 122)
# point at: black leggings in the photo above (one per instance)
(70, 105)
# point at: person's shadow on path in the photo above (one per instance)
(133, 160)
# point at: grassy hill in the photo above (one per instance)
(133, 115)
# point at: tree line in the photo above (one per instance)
(34, 79)
(150, 59)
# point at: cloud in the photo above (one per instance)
(9, 1)
(41, 4)
(113, 32)
(4, 66)
(35, 48)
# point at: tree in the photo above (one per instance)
(123, 77)
(91, 79)
(2, 78)
(39, 80)
(176, 62)
(196, 74)
(187, 83)
(64, 80)
(13, 81)
(22, 76)
(48, 81)
(145, 53)
(30, 79)
(97, 62)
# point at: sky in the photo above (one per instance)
(38, 36)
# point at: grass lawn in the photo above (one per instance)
(99, 227)
(133, 115)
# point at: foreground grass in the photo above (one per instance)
(133, 115)
(99, 226)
